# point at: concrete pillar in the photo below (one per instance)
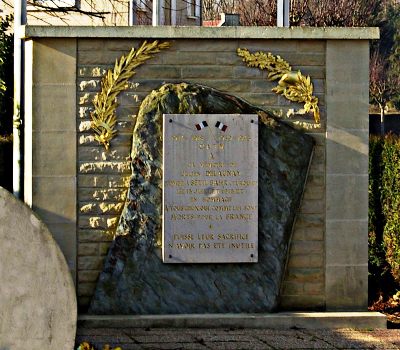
(346, 239)
(50, 138)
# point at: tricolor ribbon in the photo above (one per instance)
(221, 126)
(201, 125)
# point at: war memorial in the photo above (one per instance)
(204, 176)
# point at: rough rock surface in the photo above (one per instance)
(37, 294)
(135, 280)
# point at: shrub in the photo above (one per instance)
(384, 219)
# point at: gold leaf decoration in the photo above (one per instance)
(292, 85)
(113, 83)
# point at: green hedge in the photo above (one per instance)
(390, 199)
(384, 213)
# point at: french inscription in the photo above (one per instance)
(210, 188)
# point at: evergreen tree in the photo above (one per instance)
(6, 75)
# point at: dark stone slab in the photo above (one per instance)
(135, 281)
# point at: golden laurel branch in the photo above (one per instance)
(292, 85)
(113, 82)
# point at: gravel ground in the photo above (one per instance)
(232, 339)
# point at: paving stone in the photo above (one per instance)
(219, 339)
(173, 346)
(238, 345)
(294, 340)
(348, 339)
(163, 338)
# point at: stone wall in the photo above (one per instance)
(102, 176)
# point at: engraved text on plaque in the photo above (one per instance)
(210, 188)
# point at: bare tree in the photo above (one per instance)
(319, 13)
(384, 85)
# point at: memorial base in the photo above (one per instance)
(281, 320)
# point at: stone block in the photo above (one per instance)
(94, 236)
(274, 46)
(86, 98)
(347, 74)
(99, 153)
(110, 208)
(88, 249)
(159, 72)
(53, 199)
(306, 247)
(90, 263)
(118, 181)
(261, 86)
(305, 274)
(106, 167)
(308, 221)
(54, 153)
(146, 85)
(304, 59)
(301, 302)
(311, 46)
(317, 192)
(100, 208)
(312, 206)
(314, 288)
(102, 57)
(88, 180)
(243, 85)
(308, 233)
(314, 72)
(97, 194)
(92, 222)
(206, 72)
(292, 288)
(66, 237)
(86, 289)
(346, 197)
(318, 85)
(91, 44)
(304, 261)
(319, 155)
(52, 107)
(346, 151)
(228, 59)
(122, 44)
(188, 58)
(346, 287)
(89, 85)
(88, 276)
(347, 242)
(92, 71)
(56, 56)
(243, 72)
(316, 180)
(132, 99)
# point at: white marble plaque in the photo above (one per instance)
(210, 188)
